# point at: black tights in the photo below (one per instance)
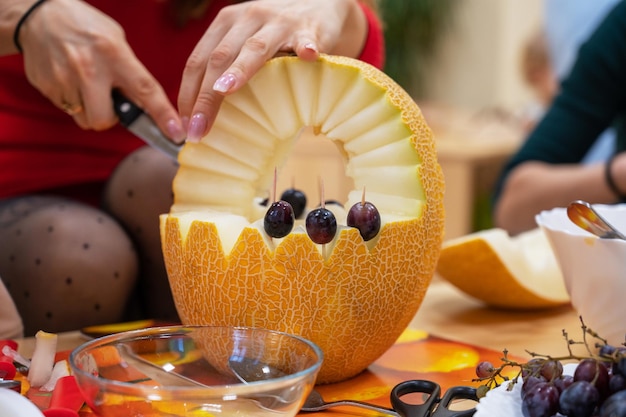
(69, 265)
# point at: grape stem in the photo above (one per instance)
(274, 186)
(323, 205)
(496, 377)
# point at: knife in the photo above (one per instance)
(139, 123)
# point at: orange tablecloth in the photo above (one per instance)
(449, 334)
(416, 355)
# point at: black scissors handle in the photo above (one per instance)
(434, 405)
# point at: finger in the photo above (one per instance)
(306, 48)
(98, 113)
(254, 52)
(216, 50)
(144, 90)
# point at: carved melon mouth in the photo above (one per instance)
(232, 168)
(351, 297)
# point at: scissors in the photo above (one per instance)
(434, 405)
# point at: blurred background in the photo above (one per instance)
(460, 52)
(461, 60)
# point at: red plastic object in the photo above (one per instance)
(66, 394)
(60, 412)
(8, 342)
(7, 368)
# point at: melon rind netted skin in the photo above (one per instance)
(355, 301)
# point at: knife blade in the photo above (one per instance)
(141, 125)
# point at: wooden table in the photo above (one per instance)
(448, 313)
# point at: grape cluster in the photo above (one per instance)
(597, 388)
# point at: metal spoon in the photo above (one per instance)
(583, 215)
(315, 402)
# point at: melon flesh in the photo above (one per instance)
(519, 272)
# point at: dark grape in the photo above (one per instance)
(563, 382)
(579, 399)
(614, 406)
(530, 381)
(297, 199)
(532, 367)
(484, 369)
(321, 225)
(617, 382)
(365, 217)
(593, 371)
(542, 400)
(607, 351)
(551, 370)
(279, 219)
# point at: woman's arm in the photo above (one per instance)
(546, 172)
(75, 55)
(535, 186)
(10, 13)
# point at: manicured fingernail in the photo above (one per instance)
(197, 126)
(224, 83)
(310, 46)
(175, 130)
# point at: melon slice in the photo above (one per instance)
(519, 272)
(352, 298)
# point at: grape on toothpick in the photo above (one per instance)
(279, 218)
(321, 224)
(296, 198)
(365, 217)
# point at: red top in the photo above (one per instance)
(42, 149)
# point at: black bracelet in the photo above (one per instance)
(610, 181)
(20, 23)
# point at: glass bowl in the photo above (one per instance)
(196, 371)
(594, 269)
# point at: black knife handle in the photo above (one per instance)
(126, 110)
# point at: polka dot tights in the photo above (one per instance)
(69, 265)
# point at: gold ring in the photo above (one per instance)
(71, 109)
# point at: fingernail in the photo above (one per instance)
(310, 46)
(175, 130)
(224, 83)
(197, 126)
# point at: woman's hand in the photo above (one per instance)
(244, 36)
(75, 55)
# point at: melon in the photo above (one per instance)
(351, 297)
(518, 272)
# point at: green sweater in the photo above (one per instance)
(592, 98)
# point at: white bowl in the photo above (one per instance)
(594, 269)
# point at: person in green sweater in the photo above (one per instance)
(546, 171)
